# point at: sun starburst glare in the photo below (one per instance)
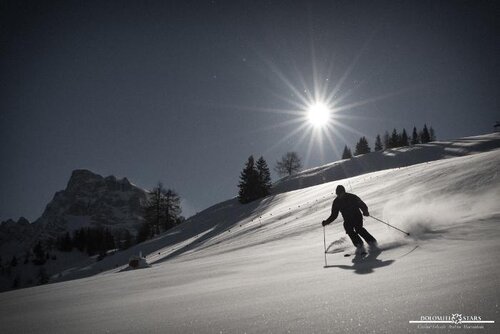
(321, 107)
(318, 114)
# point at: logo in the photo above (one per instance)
(453, 321)
(456, 318)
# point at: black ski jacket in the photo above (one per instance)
(349, 205)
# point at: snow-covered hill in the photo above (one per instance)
(258, 268)
(392, 158)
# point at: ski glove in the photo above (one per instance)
(366, 214)
(324, 223)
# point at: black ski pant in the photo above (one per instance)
(355, 229)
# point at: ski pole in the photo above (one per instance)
(324, 242)
(390, 225)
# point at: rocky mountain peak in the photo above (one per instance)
(93, 200)
(82, 178)
(83, 181)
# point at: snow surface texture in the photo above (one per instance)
(258, 268)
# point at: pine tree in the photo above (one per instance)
(365, 146)
(387, 140)
(425, 136)
(39, 254)
(290, 163)
(362, 146)
(249, 182)
(404, 138)
(414, 137)
(347, 153)
(378, 143)
(172, 208)
(154, 210)
(264, 177)
(432, 134)
(394, 140)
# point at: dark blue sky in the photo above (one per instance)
(185, 91)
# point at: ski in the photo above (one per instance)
(335, 251)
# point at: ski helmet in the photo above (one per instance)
(340, 190)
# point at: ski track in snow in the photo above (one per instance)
(258, 268)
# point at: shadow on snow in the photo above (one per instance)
(366, 264)
(227, 215)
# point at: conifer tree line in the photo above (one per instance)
(92, 240)
(396, 139)
(362, 146)
(346, 154)
(255, 180)
(393, 140)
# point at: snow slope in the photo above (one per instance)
(258, 268)
(391, 158)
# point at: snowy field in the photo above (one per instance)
(259, 268)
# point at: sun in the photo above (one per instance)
(318, 114)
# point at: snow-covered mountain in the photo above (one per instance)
(260, 267)
(89, 200)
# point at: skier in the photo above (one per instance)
(350, 205)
